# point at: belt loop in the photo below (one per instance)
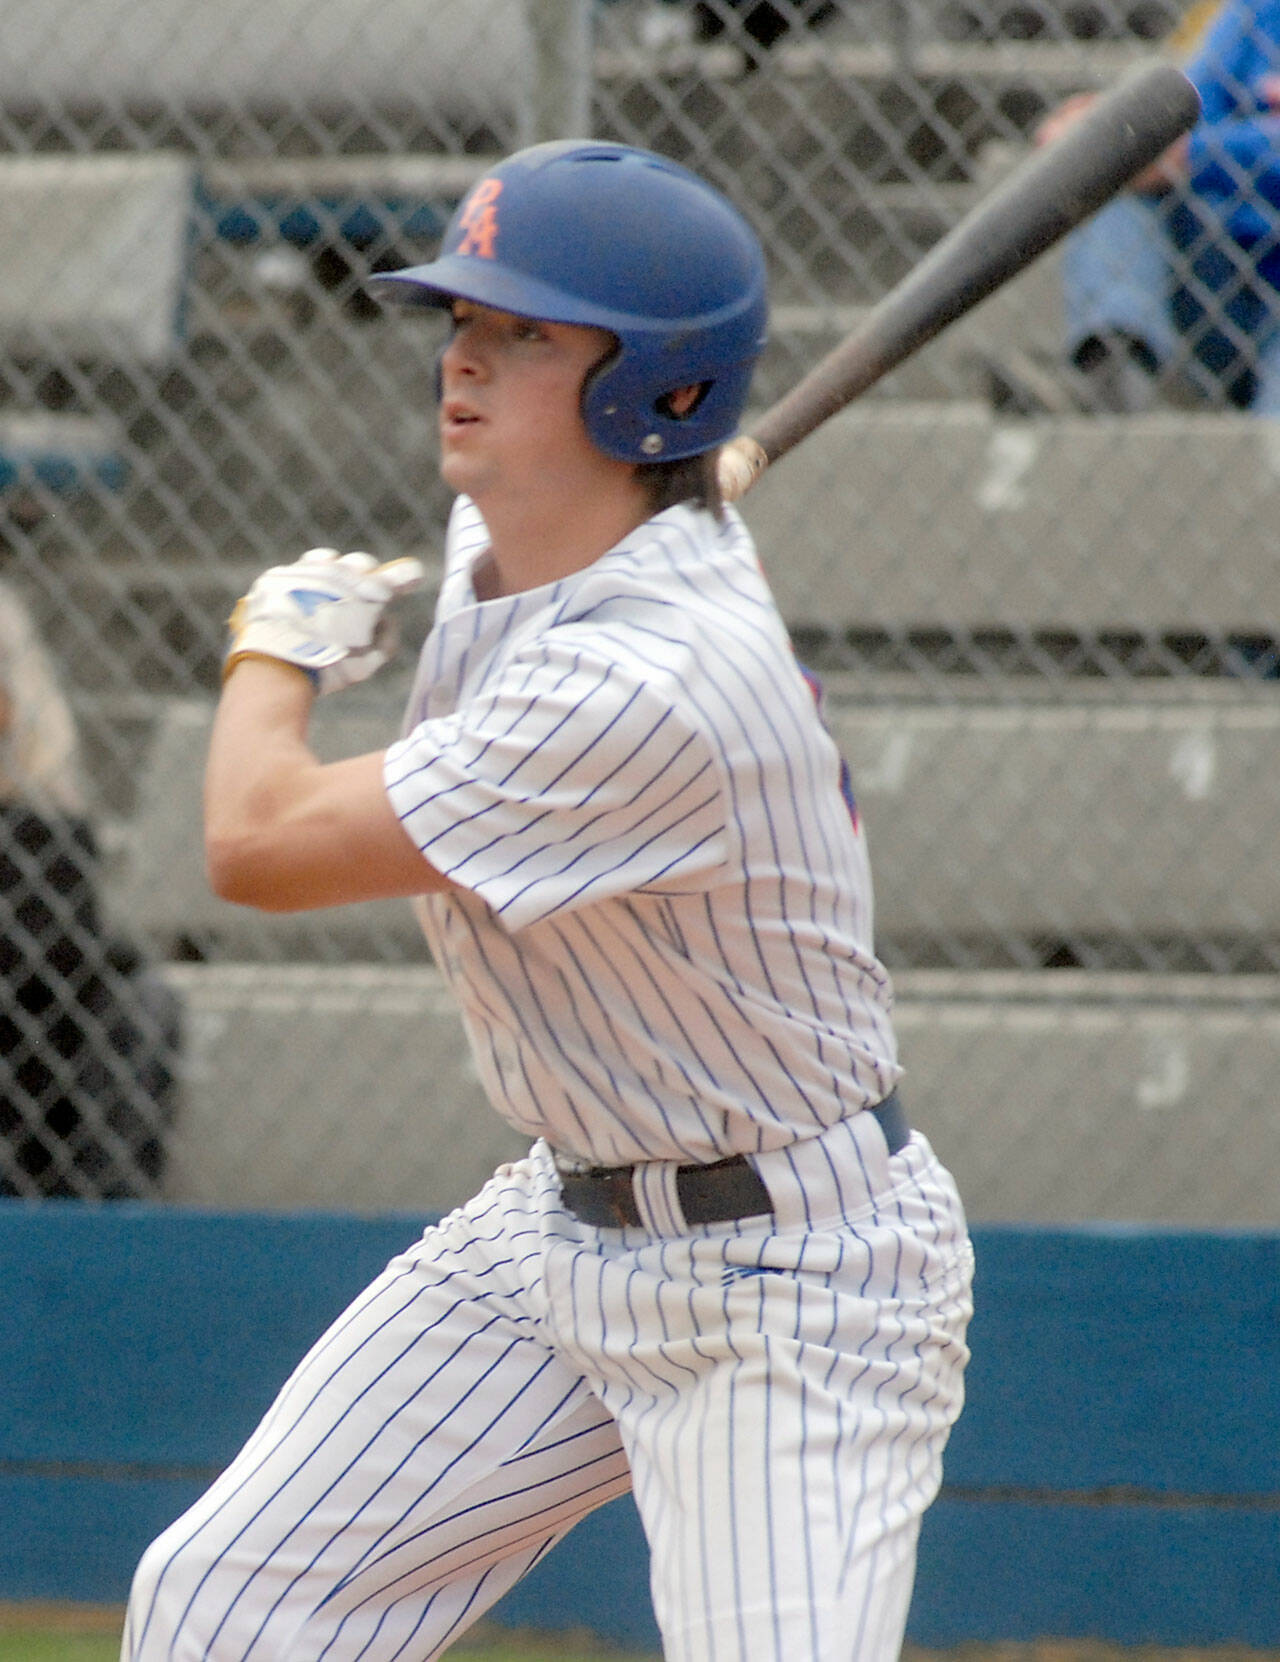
(657, 1199)
(893, 1122)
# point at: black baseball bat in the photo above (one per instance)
(1053, 191)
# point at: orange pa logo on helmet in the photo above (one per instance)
(479, 220)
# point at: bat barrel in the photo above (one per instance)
(1051, 193)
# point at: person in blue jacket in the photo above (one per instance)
(1181, 274)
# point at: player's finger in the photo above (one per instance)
(359, 562)
(319, 557)
(403, 575)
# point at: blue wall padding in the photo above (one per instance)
(1107, 1357)
(1179, 1576)
(1116, 1473)
(67, 1537)
(134, 1333)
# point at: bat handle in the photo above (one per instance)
(738, 465)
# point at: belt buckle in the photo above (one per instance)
(620, 1197)
(612, 1201)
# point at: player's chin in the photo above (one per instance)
(458, 468)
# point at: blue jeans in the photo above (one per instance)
(1154, 270)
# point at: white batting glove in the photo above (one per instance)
(326, 613)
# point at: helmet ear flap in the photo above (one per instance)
(588, 401)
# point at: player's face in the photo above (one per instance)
(510, 416)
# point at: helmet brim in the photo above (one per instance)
(461, 277)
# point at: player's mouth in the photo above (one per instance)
(455, 415)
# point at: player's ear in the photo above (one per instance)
(683, 401)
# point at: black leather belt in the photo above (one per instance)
(604, 1196)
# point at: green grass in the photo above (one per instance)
(78, 1633)
(41, 1646)
(70, 1633)
(58, 1647)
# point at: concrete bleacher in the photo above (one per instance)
(1004, 814)
(94, 266)
(1046, 817)
(1055, 1096)
(308, 1085)
(160, 890)
(1064, 523)
(876, 42)
(93, 254)
(1067, 817)
(1066, 1096)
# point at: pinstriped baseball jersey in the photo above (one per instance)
(661, 942)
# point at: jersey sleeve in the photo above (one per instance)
(570, 780)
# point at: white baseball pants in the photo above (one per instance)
(777, 1391)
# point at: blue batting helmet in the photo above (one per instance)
(624, 240)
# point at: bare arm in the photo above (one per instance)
(285, 832)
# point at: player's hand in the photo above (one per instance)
(1063, 118)
(326, 613)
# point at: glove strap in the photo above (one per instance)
(235, 657)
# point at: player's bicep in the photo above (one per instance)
(326, 836)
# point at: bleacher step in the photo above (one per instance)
(1053, 1097)
(1012, 524)
(1055, 66)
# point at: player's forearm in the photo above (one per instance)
(285, 832)
(255, 775)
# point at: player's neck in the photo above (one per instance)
(529, 548)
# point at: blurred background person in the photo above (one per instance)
(88, 1033)
(1181, 275)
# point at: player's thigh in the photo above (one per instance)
(428, 1434)
(783, 1482)
(786, 1511)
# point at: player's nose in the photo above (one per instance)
(463, 353)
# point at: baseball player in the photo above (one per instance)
(728, 1276)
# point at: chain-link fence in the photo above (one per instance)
(1033, 565)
